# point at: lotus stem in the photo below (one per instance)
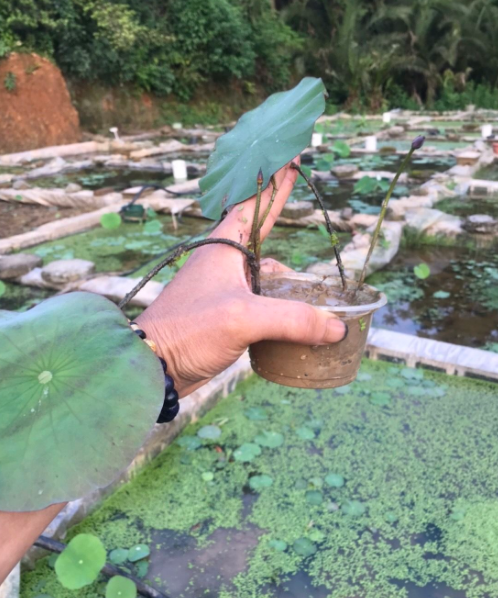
(108, 570)
(417, 143)
(334, 239)
(270, 205)
(255, 239)
(251, 260)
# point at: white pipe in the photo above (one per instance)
(179, 170)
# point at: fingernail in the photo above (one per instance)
(336, 330)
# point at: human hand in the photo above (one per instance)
(207, 316)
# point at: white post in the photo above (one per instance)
(114, 131)
(386, 118)
(371, 143)
(316, 139)
(177, 126)
(486, 131)
(179, 170)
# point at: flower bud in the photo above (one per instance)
(260, 177)
(418, 142)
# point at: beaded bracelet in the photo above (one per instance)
(171, 405)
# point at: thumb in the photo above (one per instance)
(293, 321)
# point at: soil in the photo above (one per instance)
(21, 218)
(27, 81)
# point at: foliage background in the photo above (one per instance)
(372, 54)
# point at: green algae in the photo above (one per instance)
(419, 506)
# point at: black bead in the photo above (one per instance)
(171, 398)
(170, 384)
(169, 414)
(163, 363)
(140, 333)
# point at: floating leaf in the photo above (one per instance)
(138, 552)
(381, 399)
(322, 166)
(391, 517)
(314, 497)
(342, 149)
(412, 373)
(3, 288)
(422, 271)
(208, 476)
(118, 556)
(74, 377)
(395, 383)
(259, 482)
(304, 547)
(120, 587)
(209, 432)
(265, 138)
(363, 377)
(153, 227)
(334, 480)
(354, 508)
(256, 414)
(441, 295)
(142, 568)
(316, 482)
(79, 564)
(110, 221)
(305, 433)
(191, 443)
(316, 535)
(269, 439)
(278, 545)
(247, 452)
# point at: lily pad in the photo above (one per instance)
(76, 383)
(120, 587)
(441, 295)
(191, 443)
(208, 476)
(247, 452)
(422, 271)
(265, 138)
(316, 535)
(354, 508)
(256, 414)
(395, 383)
(259, 482)
(305, 433)
(304, 547)
(110, 221)
(138, 552)
(363, 377)
(153, 227)
(278, 545)
(209, 433)
(381, 399)
(314, 497)
(269, 439)
(334, 480)
(118, 556)
(79, 564)
(342, 149)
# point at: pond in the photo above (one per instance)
(467, 206)
(99, 178)
(381, 489)
(458, 303)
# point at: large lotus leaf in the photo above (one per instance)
(80, 562)
(267, 138)
(79, 392)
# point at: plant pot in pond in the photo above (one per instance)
(325, 366)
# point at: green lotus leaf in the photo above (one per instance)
(79, 393)
(79, 564)
(354, 508)
(269, 439)
(142, 568)
(395, 383)
(304, 547)
(381, 399)
(316, 535)
(153, 227)
(120, 587)
(191, 443)
(305, 433)
(110, 221)
(441, 295)
(118, 556)
(314, 497)
(247, 452)
(278, 545)
(422, 271)
(342, 149)
(334, 480)
(259, 482)
(138, 552)
(256, 414)
(265, 138)
(207, 476)
(209, 432)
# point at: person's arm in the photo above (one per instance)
(201, 323)
(18, 532)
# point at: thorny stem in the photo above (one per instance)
(255, 240)
(381, 217)
(251, 260)
(334, 239)
(108, 570)
(270, 205)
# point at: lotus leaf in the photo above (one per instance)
(422, 271)
(259, 482)
(269, 439)
(381, 399)
(441, 295)
(79, 393)
(305, 433)
(79, 564)
(316, 535)
(120, 587)
(138, 552)
(142, 568)
(118, 556)
(304, 547)
(209, 432)
(256, 414)
(278, 545)
(354, 508)
(334, 480)
(265, 138)
(153, 227)
(247, 452)
(110, 221)
(208, 476)
(191, 443)
(314, 497)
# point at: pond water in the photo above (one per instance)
(100, 178)
(490, 173)
(385, 488)
(458, 303)
(467, 206)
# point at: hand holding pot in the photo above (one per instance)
(207, 316)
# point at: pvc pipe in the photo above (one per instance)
(386, 118)
(371, 143)
(177, 126)
(179, 170)
(486, 131)
(316, 139)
